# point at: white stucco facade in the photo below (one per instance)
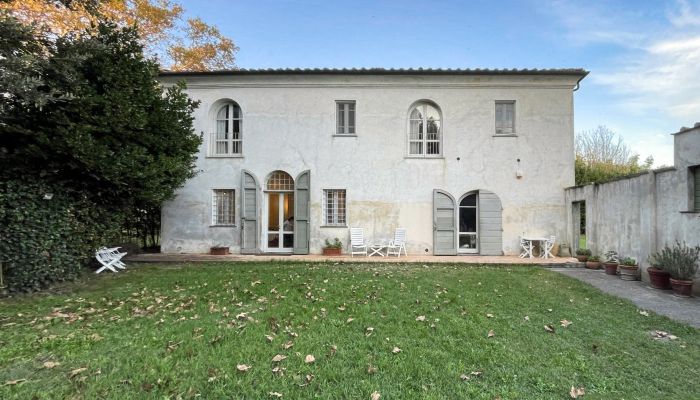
(289, 124)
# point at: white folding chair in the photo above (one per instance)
(398, 244)
(110, 259)
(547, 247)
(357, 241)
(526, 247)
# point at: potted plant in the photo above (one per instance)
(582, 254)
(611, 262)
(659, 277)
(628, 269)
(218, 250)
(593, 262)
(333, 248)
(683, 266)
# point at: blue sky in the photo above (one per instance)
(644, 56)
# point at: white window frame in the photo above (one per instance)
(215, 214)
(509, 131)
(339, 218)
(229, 142)
(424, 140)
(343, 106)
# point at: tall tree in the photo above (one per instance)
(179, 43)
(602, 156)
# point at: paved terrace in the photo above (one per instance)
(193, 258)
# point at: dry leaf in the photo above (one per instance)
(278, 358)
(51, 364)
(644, 313)
(269, 338)
(332, 351)
(491, 333)
(549, 328)
(576, 392)
(288, 345)
(275, 394)
(527, 318)
(371, 369)
(549, 309)
(565, 323)
(369, 331)
(350, 319)
(309, 359)
(341, 308)
(420, 318)
(465, 377)
(375, 395)
(396, 350)
(243, 367)
(278, 370)
(14, 382)
(76, 372)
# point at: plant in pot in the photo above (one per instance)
(593, 262)
(218, 250)
(659, 277)
(333, 248)
(628, 269)
(583, 254)
(611, 262)
(683, 267)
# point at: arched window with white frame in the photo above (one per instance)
(424, 130)
(228, 138)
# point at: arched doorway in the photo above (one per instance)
(279, 221)
(468, 224)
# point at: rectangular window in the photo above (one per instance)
(223, 207)
(696, 189)
(334, 207)
(505, 117)
(345, 117)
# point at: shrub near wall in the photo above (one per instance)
(42, 240)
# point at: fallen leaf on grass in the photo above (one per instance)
(375, 395)
(76, 371)
(332, 350)
(549, 328)
(489, 315)
(565, 323)
(644, 313)
(491, 333)
(14, 382)
(309, 359)
(371, 369)
(278, 370)
(275, 394)
(527, 318)
(420, 318)
(396, 350)
(350, 320)
(288, 345)
(51, 364)
(369, 331)
(576, 392)
(243, 367)
(278, 358)
(269, 338)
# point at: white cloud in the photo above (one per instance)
(685, 15)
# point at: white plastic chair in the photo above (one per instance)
(110, 259)
(526, 247)
(357, 241)
(547, 247)
(398, 244)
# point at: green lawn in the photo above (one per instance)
(179, 332)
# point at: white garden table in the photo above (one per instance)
(376, 248)
(539, 240)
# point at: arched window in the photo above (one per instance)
(280, 181)
(227, 140)
(424, 130)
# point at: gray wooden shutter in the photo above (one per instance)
(302, 211)
(444, 224)
(696, 203)
(490, 227)
(250, 202)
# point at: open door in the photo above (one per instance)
(490, 225)
(444, 229)
(302, 211)
(250, 202)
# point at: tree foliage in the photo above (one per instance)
(180, 43)
(602, 156)
(91, 124)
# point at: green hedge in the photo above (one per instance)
(47, 240)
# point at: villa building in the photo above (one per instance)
(465, 160)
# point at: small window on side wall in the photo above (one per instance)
(345, 117)
(334, 207)
(223, 207)
(505, 117)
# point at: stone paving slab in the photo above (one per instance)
(662, 302)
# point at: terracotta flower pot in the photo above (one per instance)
(331, 251)
(628, 272)
(681, 288)
(582, 258)
(659, 278)
(593, 264)
(610, 268)
(218, 251)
